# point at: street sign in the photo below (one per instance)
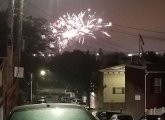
(18, 72)
(137, 97)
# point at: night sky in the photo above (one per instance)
(129, 18)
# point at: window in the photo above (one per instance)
(157, 85)
(118, 90)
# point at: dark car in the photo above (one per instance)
(105, 115)
(41, 100)
(79, 101)
(162, 116)
(121, 117)
(151, 117)
(51, 111)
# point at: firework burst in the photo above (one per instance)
(72, 27)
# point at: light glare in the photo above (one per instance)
(42, 72)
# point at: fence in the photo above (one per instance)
(156, 111)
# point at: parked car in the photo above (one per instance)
(79, 101)
(41, 100)
(163, 116)
(75, 100)
(105, 114)
(51, 111)
(94, 113)
(151, 117)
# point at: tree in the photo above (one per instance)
(151, 56)
(33, 29)
(74, 69)
(115, 58)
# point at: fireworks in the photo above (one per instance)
(72, 27)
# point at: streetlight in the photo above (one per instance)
(130, 55)
(42, 72)
(97, 56)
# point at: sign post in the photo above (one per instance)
(137, 99)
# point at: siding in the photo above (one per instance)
(112, 80)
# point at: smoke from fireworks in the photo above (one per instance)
(72, 27)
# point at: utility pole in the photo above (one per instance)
(10, 85)
(10, 22)
(141, 44)
(8, 66)
(18, 36)
(139, 49)
(18, 45)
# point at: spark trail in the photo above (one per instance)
(77, 27)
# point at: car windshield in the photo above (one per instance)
(52, 114)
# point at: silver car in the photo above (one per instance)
(51, 111)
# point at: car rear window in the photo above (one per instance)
(152, 117)
(51, 114)
(125, 117)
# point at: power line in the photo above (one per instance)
(144, 36)
(161, 32)
(52, 17)
(43, 11)
(118, 46)
(121, 31)
(114, 47)
(46, 12)
(136, 35)
(113, 30)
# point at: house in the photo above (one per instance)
(113, 92)
(145, 88)
(133, 88)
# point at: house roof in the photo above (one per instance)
(148, 67)
(118, 68)
(137, 67)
